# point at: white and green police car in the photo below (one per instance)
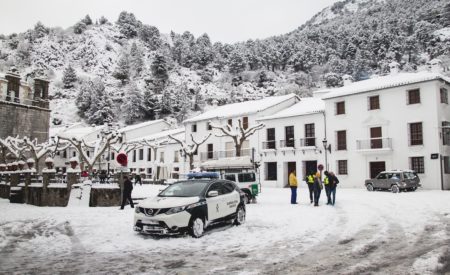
(191, 206)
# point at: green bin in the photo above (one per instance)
(255, 189)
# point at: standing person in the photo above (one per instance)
(293, 184)
(317, 188)
(137, 179)
(333, 184)
(326, 182)
(127, 188)
(310, 181)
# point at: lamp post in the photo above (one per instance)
(325, 146)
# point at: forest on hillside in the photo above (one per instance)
(128, 71)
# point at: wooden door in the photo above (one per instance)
(376, 167)
(375, 138)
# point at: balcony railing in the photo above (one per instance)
(271, 144)
(374, 144)
(287, 143)
(214, 155)
(305, 142)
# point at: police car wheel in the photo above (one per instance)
(196, 227)
(240, 215)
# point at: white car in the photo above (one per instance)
(190, 206)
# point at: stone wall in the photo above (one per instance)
(23, 120)
(4, 191)
(55, 196)
(105, 197)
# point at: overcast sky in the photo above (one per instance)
(223, 20)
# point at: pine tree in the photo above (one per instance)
(84, 97)
(136, 62)
(150, 104)
(333, 80)
(87, 20)
(101, 108)
(151, 36)
(132, 107)
(166, 103)
(40, 30)
(69, 77)
(79, 28)
(203, 53)
(103, 20)
(128, 25)
(122, 71)
(159, 72)
(236, 63)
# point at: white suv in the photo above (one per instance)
(190, 206)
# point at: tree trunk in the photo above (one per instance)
(238, 149)
(191, 161)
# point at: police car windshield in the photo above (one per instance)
(192, 188)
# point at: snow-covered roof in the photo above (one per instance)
(163, 134)
(384, 82)
(223, 163)
(307, 105)
(140, 125)
(241, 108)
(76, 130)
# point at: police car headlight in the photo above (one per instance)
(175, 210)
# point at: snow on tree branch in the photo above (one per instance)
(190, 149)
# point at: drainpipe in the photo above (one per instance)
(441, 159)
(325, 137)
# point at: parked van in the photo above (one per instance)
(247, 182)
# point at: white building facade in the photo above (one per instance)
(392, 122)
(292, 141)
(219, 147)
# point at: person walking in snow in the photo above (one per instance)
(293, 184)
(310, 182)
(137, 179)
(333, 182)
(126, 195)
(317, 188)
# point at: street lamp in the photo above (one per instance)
(327, 148)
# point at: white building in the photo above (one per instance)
(161, 158)
(247, 112)
(391, 122)
(292, 140)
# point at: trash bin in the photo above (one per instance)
(255, 189)
(16, 195)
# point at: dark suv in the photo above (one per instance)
(395, 180)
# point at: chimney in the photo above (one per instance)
(13, 89)
(394, 68)
(347, 79)
(435, 66)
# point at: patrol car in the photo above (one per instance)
(191, 206)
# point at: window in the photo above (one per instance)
(270, 139)
(447, 165)
(74, 154)
(444, 95)
(271, 171)
(149, 171)
(341, 140)
(289, 136)
(382, 176)
(415, 134)
(88, 153)
(208, 126)
(417, 164)
(194, 128)
(231, 177)
(134, 155)
(141, 154)
(310, 139)
(113, 156)
(246, 177)
(161, 156)
(374, 102)
(342, 167)
(245, 122)
(340, 108)
(230, 122)
(65, 154)
(414, 96)
(210, 150)
(176, 156)
(445, 133)
(149, 154)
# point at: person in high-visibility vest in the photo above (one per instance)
(293, 184)
(310, 182)
(326, 182)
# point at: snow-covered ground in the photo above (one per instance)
(378, 232)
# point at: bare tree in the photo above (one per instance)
(99, 147)
(190, 149)
(154, 145)
(239, 134)
(15, 147)
(39, 150)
